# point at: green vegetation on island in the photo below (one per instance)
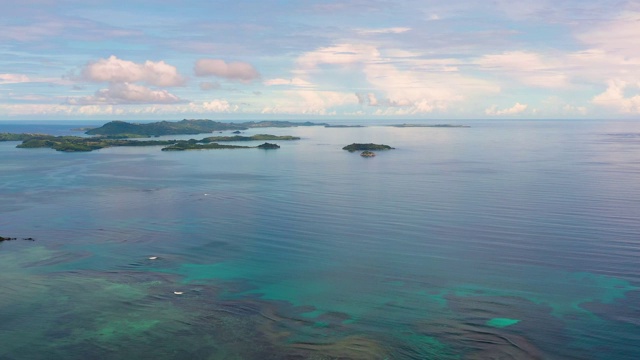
(259, 137)
(17, 137)
(268, 146)
(85, 144)
(188, 145)
(77, 143)
(186, 127)
(366, 147)
(193, 145)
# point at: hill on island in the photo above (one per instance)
(185, 127)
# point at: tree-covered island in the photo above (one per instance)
(186, 127)
(192, 145)
(366, 147)
(80, 144)
(258, 137)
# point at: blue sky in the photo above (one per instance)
(351, 59)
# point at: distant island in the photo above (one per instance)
(85, 144)
(258, 137)
(344, 126)
(367, 154)
(185, 127)
(188, 145)
(366, 147)
(430, 126)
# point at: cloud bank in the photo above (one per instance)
(126, 93)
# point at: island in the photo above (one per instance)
(85, 144)
(17, 137)
(366, 147)
(268, 146)
(190, 145)
(367, 154)
(77, 143)
(2, 238)
(344, 126)
(185, 127)
(258, 137)
(429, 126)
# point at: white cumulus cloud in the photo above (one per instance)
(515, 109)
(116, 70)
(238, 71)
(614, 98)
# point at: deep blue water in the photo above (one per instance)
(508, 239)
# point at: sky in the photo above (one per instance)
(306, 59)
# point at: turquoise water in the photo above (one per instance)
(508, 239)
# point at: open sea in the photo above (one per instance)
(504, 240)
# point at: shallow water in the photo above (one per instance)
(505, 240)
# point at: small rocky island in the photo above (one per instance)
(2, 238)
(366, 147)
(367, 154)
(268, 146)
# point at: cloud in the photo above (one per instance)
(123, 110)
(217, 106)
(238, 71)
(403, 83)
(126, 93)
(614, 98)
(367, 99)
(209, 85)
(116, 70)
(515, 109)
(296, 81)
(527, 67)
(13, 79)
(341, 54)
(619, 35)
(309, 102)
(392, 30)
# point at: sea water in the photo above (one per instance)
(506, 239)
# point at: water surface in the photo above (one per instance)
(508, 239)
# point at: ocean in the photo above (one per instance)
(504, 240)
